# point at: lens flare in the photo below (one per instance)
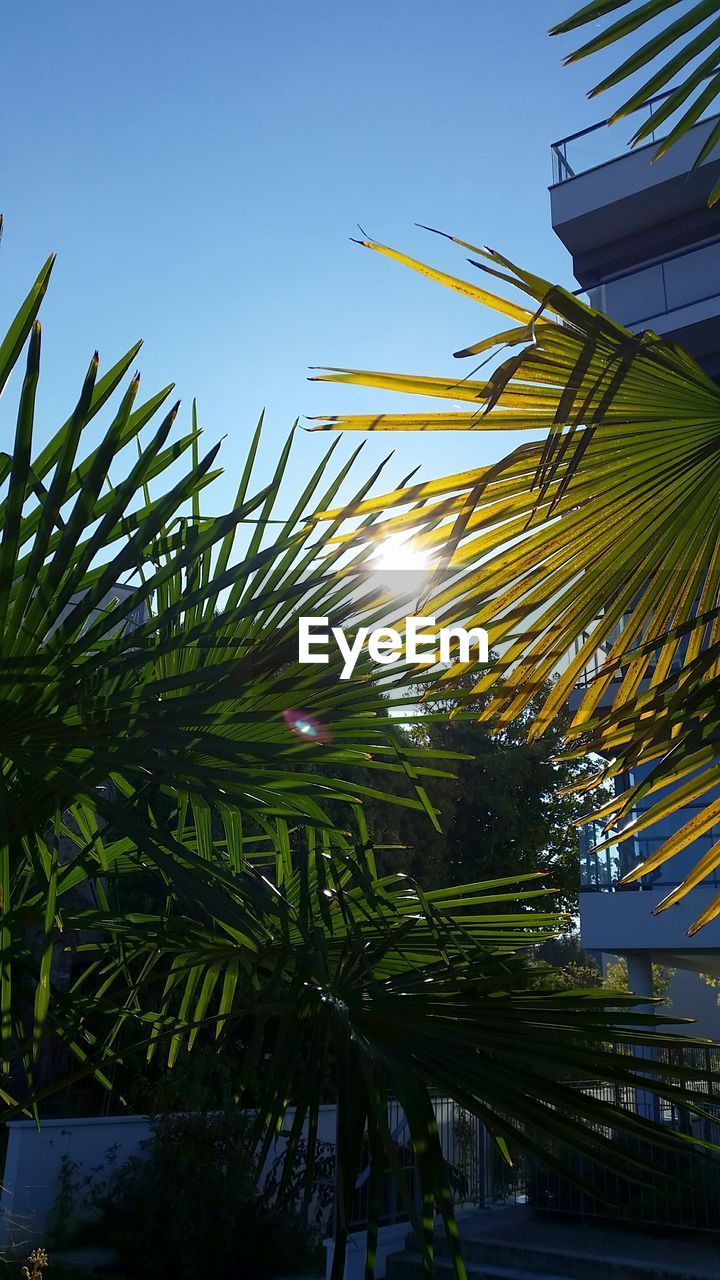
(305, 726)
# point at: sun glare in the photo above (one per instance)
(400, 554)
(400, 567)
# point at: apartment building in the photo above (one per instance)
(646, 250)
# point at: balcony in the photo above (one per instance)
(619, 919)
(645, 246)
(601, 872)
(602, 143)
(617, 211)
(623, 923)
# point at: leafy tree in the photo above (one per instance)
(572, 977)
(616, 977)
(510, 805)
(506, 805)
(562, 964)
(565, 949)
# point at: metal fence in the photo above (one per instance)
(464, 1143)
(392, 1207)
(683, 1190)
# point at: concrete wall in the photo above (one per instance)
(623, 921)
(691, 997)
(33, 1163)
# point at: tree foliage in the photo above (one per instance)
(510, 804)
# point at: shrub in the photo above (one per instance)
(190, 1205)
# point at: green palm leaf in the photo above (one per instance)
(148, 653)
(147, 657)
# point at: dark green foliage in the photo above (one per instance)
(561, 964)
(572, 977)
(189, 1207)
(148, 661)
(501, 809)
(502, 813)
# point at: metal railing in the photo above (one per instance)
(603, 871)
(664, 285)
(685, 1192)
(463, 1140)
(684, 1189)
(600, 143)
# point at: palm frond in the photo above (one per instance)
(594, 549)
(149, 663)
(149, 688)
(365, 990)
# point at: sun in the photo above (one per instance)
(398, 553)
(399, 567)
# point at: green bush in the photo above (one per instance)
(189, 1205)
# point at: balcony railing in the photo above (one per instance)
(603, 871)
(602, 142)
(660, 288)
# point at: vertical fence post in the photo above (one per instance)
(640, 981)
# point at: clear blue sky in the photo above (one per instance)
(200, 167)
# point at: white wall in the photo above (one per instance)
(391, 1239)
(623, 921)
(33, 1164)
